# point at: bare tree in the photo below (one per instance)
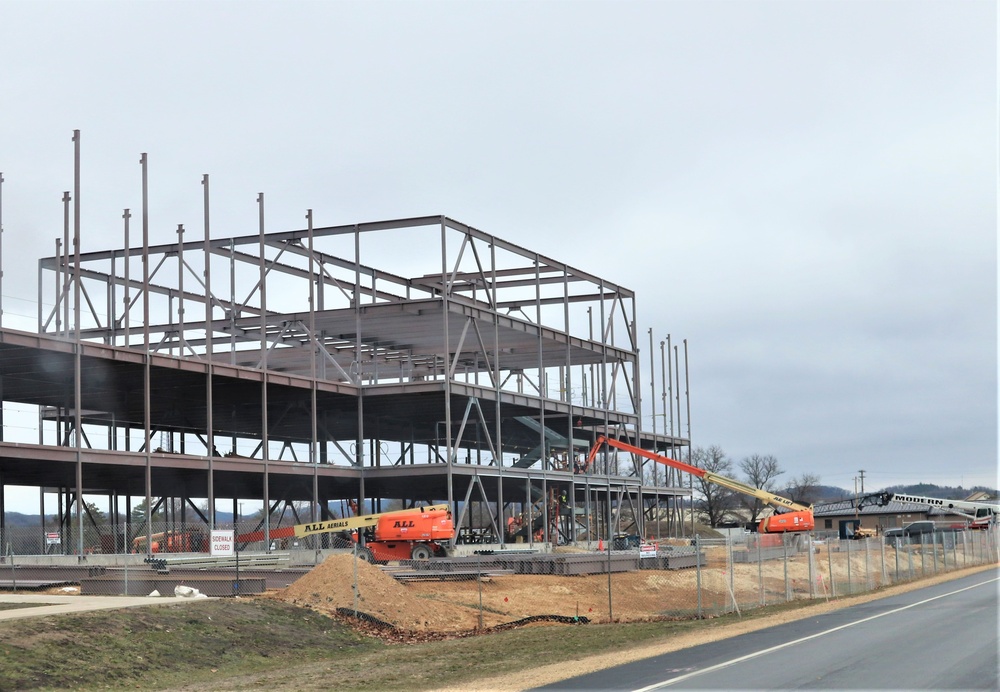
(804, 488)
(760, 472)
(717, 502)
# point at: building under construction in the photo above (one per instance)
(408, 361)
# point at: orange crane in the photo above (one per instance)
(797, 518)
(403, 534)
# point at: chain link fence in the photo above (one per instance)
(479, 588)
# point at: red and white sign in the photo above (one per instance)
(223, 543)
(647, 550)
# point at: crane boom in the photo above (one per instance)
(980, 512)
(799, 517)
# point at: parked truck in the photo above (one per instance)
(918, 532)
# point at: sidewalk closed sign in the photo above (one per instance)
(223, 543)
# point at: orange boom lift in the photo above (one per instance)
(406, 534)
(797, 518)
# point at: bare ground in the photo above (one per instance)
(553, 673)
(454, 606)
(457, 606)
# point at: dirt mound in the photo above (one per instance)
(453, 605)
(328, 587)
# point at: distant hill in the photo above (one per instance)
(823, 493)
(18, 519)
(945, 492)
(831, 493)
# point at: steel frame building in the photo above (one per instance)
(412, 360)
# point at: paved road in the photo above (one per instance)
(61, 605)
(939, 637)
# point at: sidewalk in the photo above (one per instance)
(63, 605)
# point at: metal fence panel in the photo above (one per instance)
(482, 588)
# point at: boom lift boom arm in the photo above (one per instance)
(345, 524)
(798, 518)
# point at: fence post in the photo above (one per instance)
(850, 585)
(784, 554)
(897, 544)
(760, 572)
(909, 557)
(829, 559)
(812, 576)
(479, 578)
(126, 559)
(354, 584)
(868, 569)
(13, 571)
(611, 616)
(697, 564)
(885, 573)
(731, 567)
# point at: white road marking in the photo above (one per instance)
(719, 666)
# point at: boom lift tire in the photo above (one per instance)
(421, 551)
(365, 555)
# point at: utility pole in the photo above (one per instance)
(862, 472)
(857, 510)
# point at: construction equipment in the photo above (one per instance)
(171, 542)
(981, 515)
(860, 533)
(404, 534)
(798, 518)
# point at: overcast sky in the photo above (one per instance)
(806, 191)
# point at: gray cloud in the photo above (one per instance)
(806, 191)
